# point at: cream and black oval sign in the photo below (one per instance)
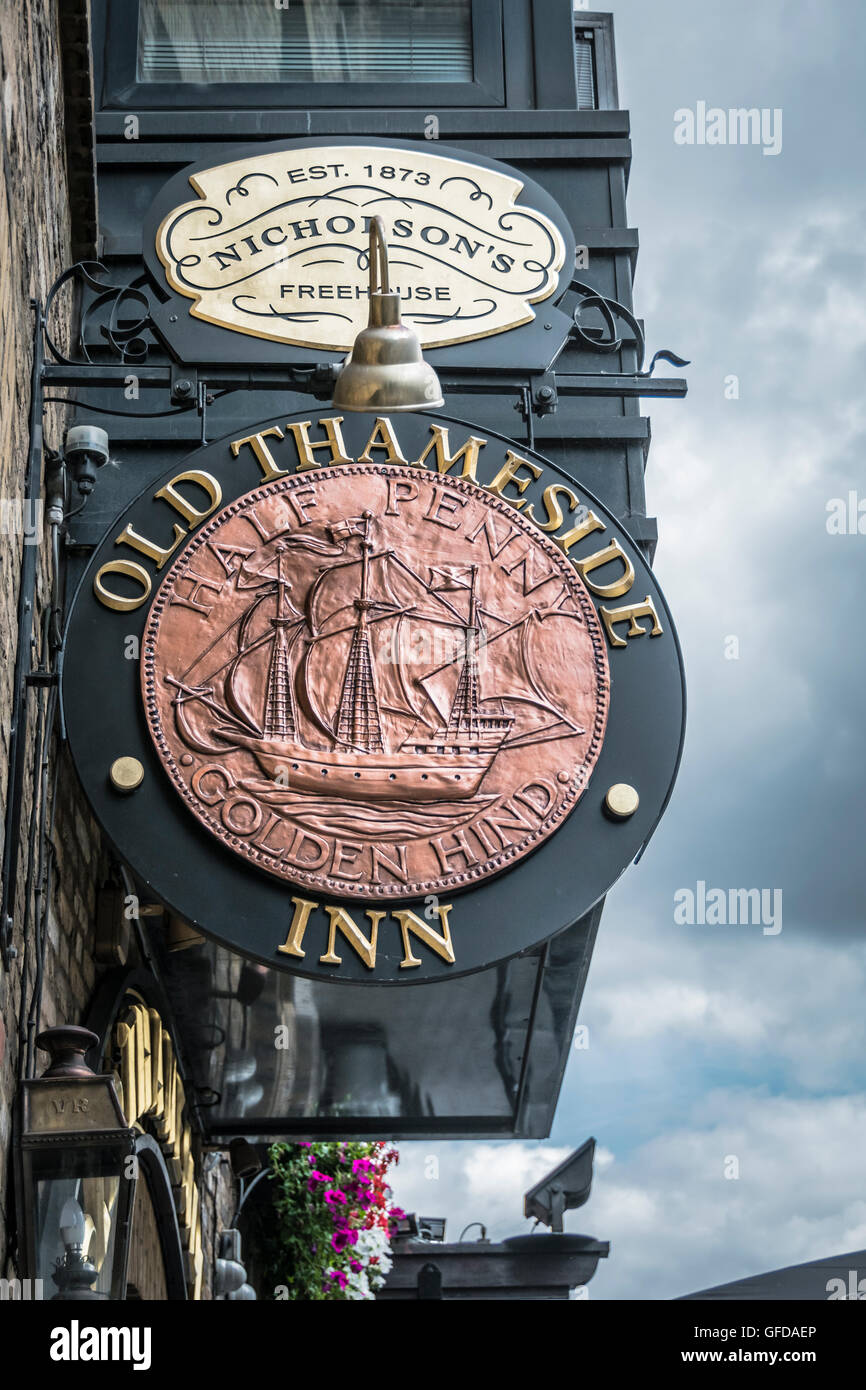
(274, 244)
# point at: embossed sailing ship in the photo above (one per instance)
(321, 675)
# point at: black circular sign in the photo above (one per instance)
(436, 624)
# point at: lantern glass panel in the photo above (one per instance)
(76, 1224)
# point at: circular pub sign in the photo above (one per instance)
(383, 700)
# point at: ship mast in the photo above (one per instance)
(358, 722)
(463, 719)
(280, 715)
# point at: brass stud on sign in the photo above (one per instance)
(621, 801)
(126, 774)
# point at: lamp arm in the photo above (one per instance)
(380, 277)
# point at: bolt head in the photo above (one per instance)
(621, 801)
(126, 774)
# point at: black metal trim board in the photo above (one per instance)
(250, 911)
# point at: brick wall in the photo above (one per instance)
(47, 220)
(34, 247)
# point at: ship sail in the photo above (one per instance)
(377, 643)
(374, 638)
(518, 683)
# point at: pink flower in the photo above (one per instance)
(355, 1266)
(339, 1277)
(335, 1197)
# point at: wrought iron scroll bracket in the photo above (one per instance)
(605, 338)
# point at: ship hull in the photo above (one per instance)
(374, 776)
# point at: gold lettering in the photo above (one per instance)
(630, 613)
(383, 437)
(292, 946)
(132, 571)
(191, 515)
(584, 528)
(264, 457)
(159, 554)
(333, 441)
(445, 460)
(555, 516)
(508, 474)
(365, 948)
(438, 942)
(611, 552)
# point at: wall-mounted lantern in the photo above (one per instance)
(76, 1174)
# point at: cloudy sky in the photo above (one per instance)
(709, 1043)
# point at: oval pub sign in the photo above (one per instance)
(407, 699)
(275, 243)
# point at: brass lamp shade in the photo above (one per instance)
(385, 370)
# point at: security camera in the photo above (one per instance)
(85, 450)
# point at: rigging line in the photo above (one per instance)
(313, 591)
(542, 736)
(225, 632)
(350, 627)
(192, 693)
(265, 637)
(432, 592)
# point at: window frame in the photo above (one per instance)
(604, 56)
(121, 89)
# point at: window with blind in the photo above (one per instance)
(305, 41)
(584, 58)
